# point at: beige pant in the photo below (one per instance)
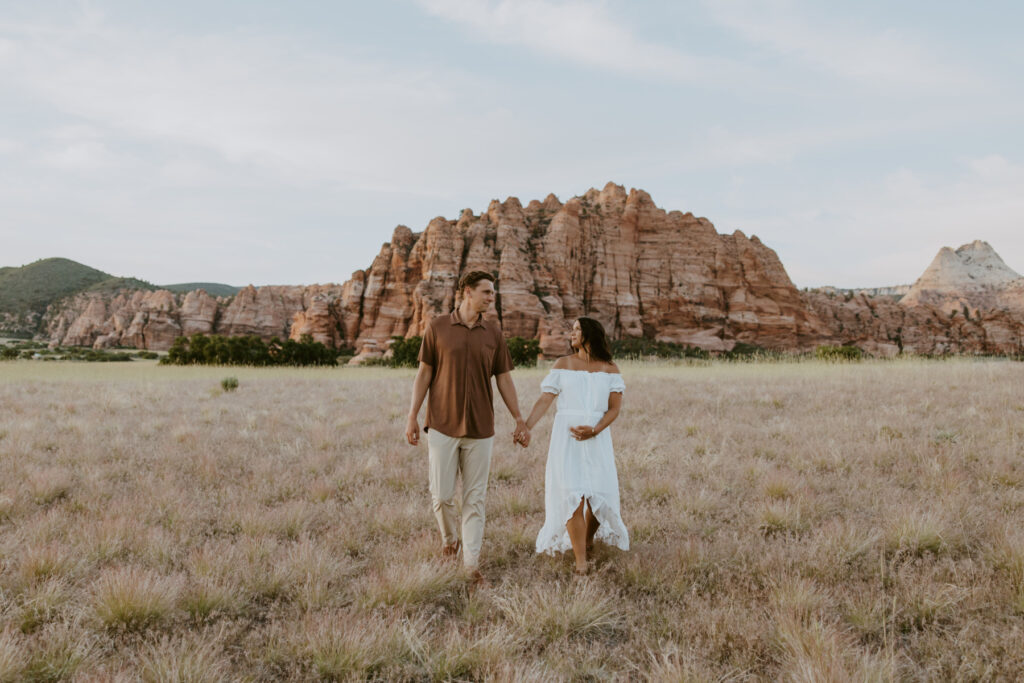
(449, 456)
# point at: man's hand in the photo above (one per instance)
(412, 431)
(583, 432)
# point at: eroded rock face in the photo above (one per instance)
(973, 278)
(882, 326)
(609, 254)
(152, 320)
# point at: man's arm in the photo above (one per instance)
(507, 389)
(419, 391)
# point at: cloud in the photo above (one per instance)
(257, 101)
(582, 33)
(886, 232)
(887, 59)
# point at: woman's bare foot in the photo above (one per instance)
(451, 549)
(581, 571)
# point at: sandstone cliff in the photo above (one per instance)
(884, 327)
(152, 320)
(610, 254)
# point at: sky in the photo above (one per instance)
(241, 141)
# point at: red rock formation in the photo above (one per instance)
(610, 254)
(881, 326)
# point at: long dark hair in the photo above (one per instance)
(594, 340)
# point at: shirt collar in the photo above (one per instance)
(456, 320)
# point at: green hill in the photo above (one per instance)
(212, 288)
(25, 292)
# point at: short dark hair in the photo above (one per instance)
(473, 278)
(594, 340)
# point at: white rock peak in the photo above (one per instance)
(972, 265)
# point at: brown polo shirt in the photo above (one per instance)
(461, 400)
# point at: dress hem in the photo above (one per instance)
(558, 541)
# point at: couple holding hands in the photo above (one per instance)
(459, 355)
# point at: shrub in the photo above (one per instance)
(745, 351)
(229, 383)
(640, 347)
(215, 349)
(405, 351)
(524, 351)
(837, 353)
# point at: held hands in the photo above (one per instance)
(583, 432)
(521, 435)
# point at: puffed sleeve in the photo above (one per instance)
(550, 384)
(616, 383)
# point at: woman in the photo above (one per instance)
(581, 487)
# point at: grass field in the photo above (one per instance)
(798, 521)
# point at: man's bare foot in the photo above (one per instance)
(451, 549)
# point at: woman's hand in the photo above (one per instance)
(583, 432)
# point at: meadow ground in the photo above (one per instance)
(794, 521)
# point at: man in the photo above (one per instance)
(460, 353)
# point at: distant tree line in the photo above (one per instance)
(405, 351)
(644, 347)
(215, 349)
(32, 350)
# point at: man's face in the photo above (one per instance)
(481, 297)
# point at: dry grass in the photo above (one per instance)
(798, 522)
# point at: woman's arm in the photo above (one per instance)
(584, 432)
(539, 408)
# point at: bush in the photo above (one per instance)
(8, 353)
(229, 383)
(215, 349)
(405, 351)
(838, 353)
(643, 347)
(524, 352)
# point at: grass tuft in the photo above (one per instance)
(184, 660)
(917, 534)
(133, 599)
(555, 612)
(327, 648)
(425, 583)
(59, 652)
(782, 517)
(207, 598)
(49, 485)
(12, 656)
(41, 603)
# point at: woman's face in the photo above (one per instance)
(576, 336)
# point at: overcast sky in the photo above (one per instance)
(281, 142)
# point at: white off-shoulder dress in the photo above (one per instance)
(580, 469)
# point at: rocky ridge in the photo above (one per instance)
(610, 254)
